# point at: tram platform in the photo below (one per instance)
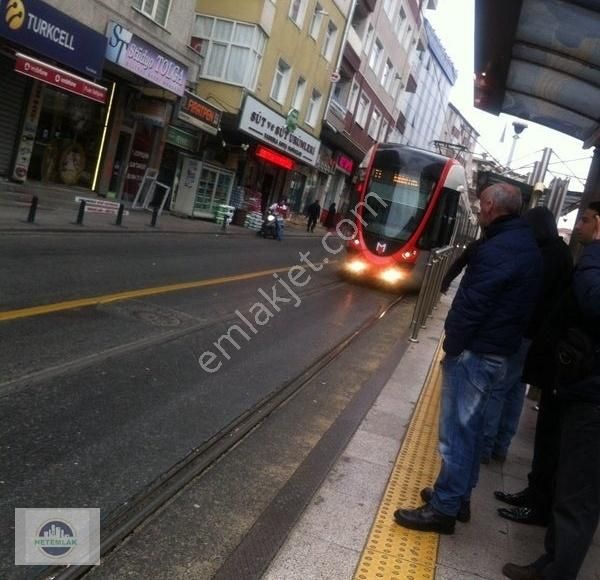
(348, 531)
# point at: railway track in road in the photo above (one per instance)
(123, 521)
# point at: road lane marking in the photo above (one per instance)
(130, 294)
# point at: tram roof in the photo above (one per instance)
(399, 147)
(540, 60)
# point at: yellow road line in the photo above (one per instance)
(392, 552)
(129, 294)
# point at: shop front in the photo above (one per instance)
(52, 119)
(280, 156)
(141, 117)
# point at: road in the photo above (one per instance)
(99, 400)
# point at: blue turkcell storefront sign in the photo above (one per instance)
(50, 32)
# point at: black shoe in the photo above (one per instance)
(523, 515)
(464, 513)
(519, 499)
(425, 519)
(515, 572)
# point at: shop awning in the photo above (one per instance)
(540, 60)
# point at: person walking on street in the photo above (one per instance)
(313, 211)
(484, 326)
(576, 507)
(506, 400)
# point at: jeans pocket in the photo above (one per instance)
(484, 370)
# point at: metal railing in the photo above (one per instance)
(437, 266)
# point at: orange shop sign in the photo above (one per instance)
(199, 113)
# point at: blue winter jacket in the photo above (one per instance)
(497, 294)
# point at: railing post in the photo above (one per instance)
(154, 216)
(32, 209)
(80, 213)
(417, 314)
(120, 215)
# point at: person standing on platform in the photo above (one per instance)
(313, 211)
(484, 326)
(576, 507)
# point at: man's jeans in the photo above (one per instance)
(505, 406)
(466, 384)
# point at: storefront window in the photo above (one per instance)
(67, 139)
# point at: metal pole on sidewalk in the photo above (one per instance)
(417, 314)
(120, 215)
(154, 216)
(79, 221)
(32, 209)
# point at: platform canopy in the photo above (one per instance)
(540, 60)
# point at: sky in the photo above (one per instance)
(453, 22)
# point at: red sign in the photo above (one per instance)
(344, 163)
(273, 157)
(56, 77)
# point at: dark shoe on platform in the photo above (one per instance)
(425, 519)
(519, 499)
(515, 572)
(464, 513)
(523, 515)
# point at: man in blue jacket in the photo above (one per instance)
(483, 328)
(576, 508)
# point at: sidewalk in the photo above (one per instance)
(57, 212)
(332, 537)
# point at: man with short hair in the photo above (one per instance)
(576, 507)
(483, 328)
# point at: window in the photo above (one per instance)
(233, 50)
(386, 78)
(329, 42)
(400, 23)
(362, 111)
(315, 23)
(353, 96)
(297, 10)
(368, 38)
(376, 54)
(280, 81)
(312, 114)
(375, 123)
(384, 131)
(299, 94)
(158, 10)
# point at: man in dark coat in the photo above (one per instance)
(506, 401)
(313, 211)
(576, 508)
(483, 328)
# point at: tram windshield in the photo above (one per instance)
(405, 180)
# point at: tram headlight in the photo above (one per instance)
(391, 275)
(356, 266)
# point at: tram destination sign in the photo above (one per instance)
(50, 32)
(268, 126)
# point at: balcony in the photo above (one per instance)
(355, 41)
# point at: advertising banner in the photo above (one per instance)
(50, 32)
(136, 55)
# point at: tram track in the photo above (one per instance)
(123, 521)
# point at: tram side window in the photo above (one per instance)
(439, 230)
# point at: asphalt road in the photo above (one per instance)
(99, 401)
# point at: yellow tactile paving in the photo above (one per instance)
(392, 552)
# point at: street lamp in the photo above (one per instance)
(519, 128)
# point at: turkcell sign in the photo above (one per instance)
(53, 34)
(136, 55)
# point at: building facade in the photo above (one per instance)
(92, 89)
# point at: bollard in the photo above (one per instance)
(32, 209)
(79, 221)
(154, 216)
(120, 215)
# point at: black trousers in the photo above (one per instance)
(576, 509)
(312, 222)
(546, 446)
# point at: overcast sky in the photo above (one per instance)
(453, 22)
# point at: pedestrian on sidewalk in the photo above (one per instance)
(330, 219)
(313, 211)
(576, 507)
(492, 306)
(506, 400)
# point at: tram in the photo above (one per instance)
(410, 201)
